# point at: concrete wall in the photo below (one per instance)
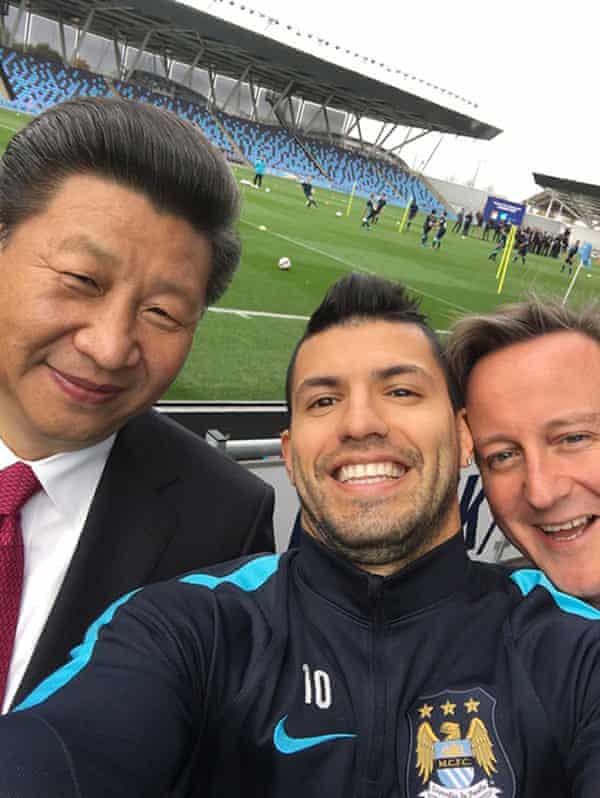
(459, 196)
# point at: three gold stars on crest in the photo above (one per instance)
(448, 708)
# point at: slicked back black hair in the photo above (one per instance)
(364, 297)
(140, 147)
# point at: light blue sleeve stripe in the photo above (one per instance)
(249, 577)
(80, 657)
(528, 578)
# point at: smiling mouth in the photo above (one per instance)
(84, 391)
(369, 473)
(568, 530)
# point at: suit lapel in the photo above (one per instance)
(126, 531)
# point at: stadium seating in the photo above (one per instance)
(280, 150)
(37, 84)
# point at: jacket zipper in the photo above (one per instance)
(372, 786)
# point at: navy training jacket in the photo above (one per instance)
(301, 676)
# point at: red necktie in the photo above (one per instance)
(17, 484)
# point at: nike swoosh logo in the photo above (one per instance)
(291, 745)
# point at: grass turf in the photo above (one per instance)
(244, 357)
(237, 357)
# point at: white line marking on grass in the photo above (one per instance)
(354, 266)
(310, 247)
(248, 314)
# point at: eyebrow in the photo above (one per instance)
(551, 426)
(574, 418)
(380, 375)
(83, 242)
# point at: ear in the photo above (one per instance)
(286, 451)
(465, 439)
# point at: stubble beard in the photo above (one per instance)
(367, 535)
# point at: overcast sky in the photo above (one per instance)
(529, 65)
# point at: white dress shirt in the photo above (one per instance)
(51, 523)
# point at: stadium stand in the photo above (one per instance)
(36, 84)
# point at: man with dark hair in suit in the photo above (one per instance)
(116, 231)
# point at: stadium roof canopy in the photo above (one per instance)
(181, 32)
(578, 200)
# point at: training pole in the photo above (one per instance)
(350, 199)
(404, 217)
(503, 268)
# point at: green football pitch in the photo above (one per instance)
(242, 354)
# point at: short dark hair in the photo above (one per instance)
(478, 335)
(139, 146)
(365, 297)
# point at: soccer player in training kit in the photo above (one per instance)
(503, 235)
(374, 660)
(370, 212)
(307, 188)
(457, 226)
(440, 232)
(573, 250)
(412, 212)
(428, 225)
(522, 249)
(380, 204)
(259, 170)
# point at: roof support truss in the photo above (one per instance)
(118, 56)
(61, 38)
(140, 52)
(433, 152)
(321, 109)
(235, 86)
(190, 70)
(291, 110)
(17, 22)
(387, 135)
(82, 33)
(283, 96)
(409, 141)
(253, 95)
(212, 95)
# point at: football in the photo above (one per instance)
(284, 264)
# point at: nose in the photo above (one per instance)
(361, 418)
(546, 482)
(109, 337)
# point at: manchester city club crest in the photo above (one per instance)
(455, 750)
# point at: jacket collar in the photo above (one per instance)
(423, 583)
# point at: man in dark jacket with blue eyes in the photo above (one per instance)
(374, 660)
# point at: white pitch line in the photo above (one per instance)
(308, 246)
(247, 314)
(354, 266)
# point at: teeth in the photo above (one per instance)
(359, 471)
(565, 525)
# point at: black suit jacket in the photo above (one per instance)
(167, 503)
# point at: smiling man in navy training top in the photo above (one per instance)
(376, 660)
